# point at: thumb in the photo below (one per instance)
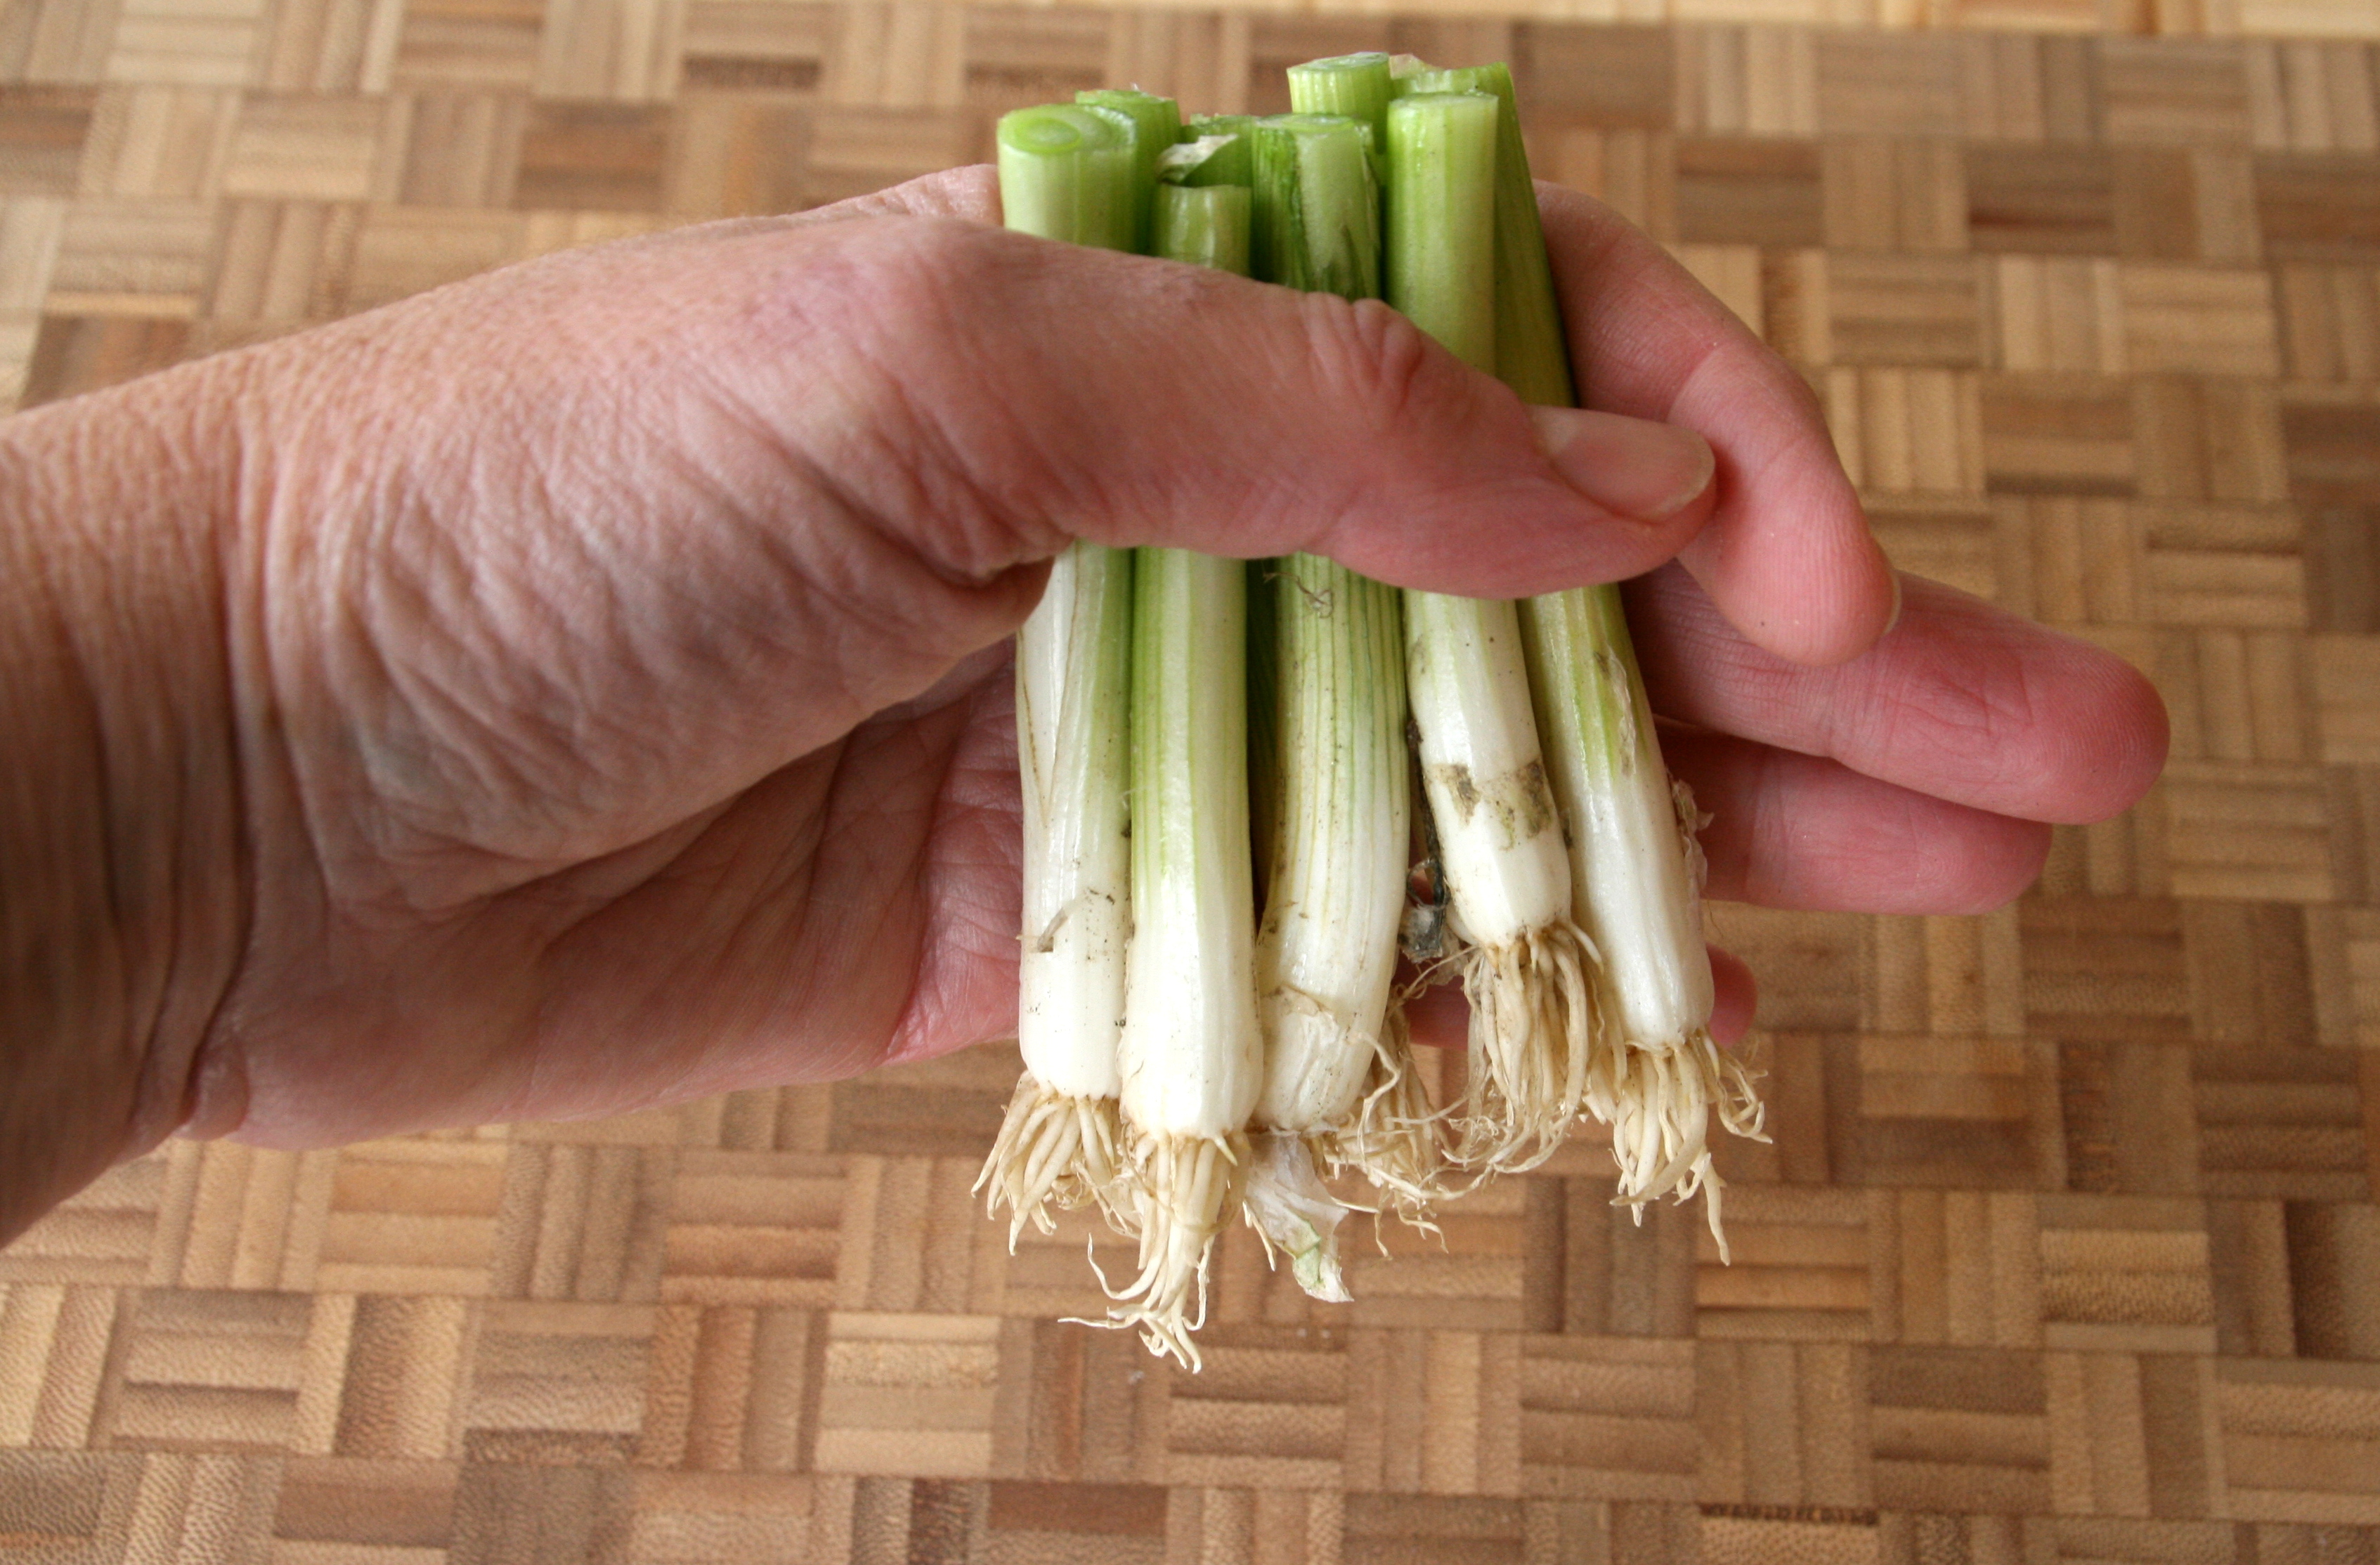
(1028, 393)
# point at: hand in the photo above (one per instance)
(608, 703)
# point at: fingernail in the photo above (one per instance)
(1893, 618)
(1631, 466)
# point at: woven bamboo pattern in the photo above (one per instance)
(2067, 1247)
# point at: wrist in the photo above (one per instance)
(119, 811)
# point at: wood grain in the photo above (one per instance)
(2067, 1246)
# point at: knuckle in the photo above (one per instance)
(1373, 357)
(933, 392)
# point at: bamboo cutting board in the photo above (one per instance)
(2066, 1248)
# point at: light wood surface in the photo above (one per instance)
(2066, 1248)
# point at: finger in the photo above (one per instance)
(1964, 701)
(1629, 469)
(1787, 556)
(1798, 832)
(1736, 996)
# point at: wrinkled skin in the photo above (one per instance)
(585, 687)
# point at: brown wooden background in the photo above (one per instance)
(2066, 1248)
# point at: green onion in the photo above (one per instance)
(1355, 86)
(1192, 1056)
(1442, 230)
(1232, 158)
(1636, 869)
(1308, 235)
(1527, 968)
(1529, 353)
(1157, 124)
(1203, 225)
(1339, 1087)
(1069, 173)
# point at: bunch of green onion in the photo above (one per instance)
(1192, 1056)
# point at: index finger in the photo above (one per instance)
(1787, 556)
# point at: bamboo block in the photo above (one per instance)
(1729, 272)
(2307, 95)
(1905, 309)
(1784, 1424)
(908, 1391)
(1956, 1268)
(1633, 172)
(1747, 82)
(2297, 1439)
(41, 134)
(2280, 1123)
(1896, 85)
(1800, 1269)
(101, 1235)
(1608, 1419)
(176, 43)
(1915, 431)
(2041, 199)
(2125, 1274)
(467, 45)
(1900, 193)
(618, 51)
(1960, 1429)
(2329, 322)
(752, 1229)
(205, 1370)
(2195, 319)
(1741, 191)
(2056, 435)
(1475, 1273)
(2347, 692)
(555, 1383)
(2173, 92)
(1607, 78)
(2103, 971)
(2067, 560)
(58, 40)
(755, 45)
(412, 1216)
(304, 149)
(516, 1514)
(2316, 206)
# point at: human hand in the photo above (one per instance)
(616, 684)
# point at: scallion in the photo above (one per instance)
(1528, 969)
(1636, 869)
(1069, 173)
(1192, 1056)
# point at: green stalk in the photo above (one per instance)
(1339, 1089)
(1530, 355)
(1355, 86)
(1317, 224)
(1636, 869)
(1442, 230)
(1192, 1055)
(1157, 124)
(1069, 173)
(1203, 225)
(1233, 163)
(1527, 964)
